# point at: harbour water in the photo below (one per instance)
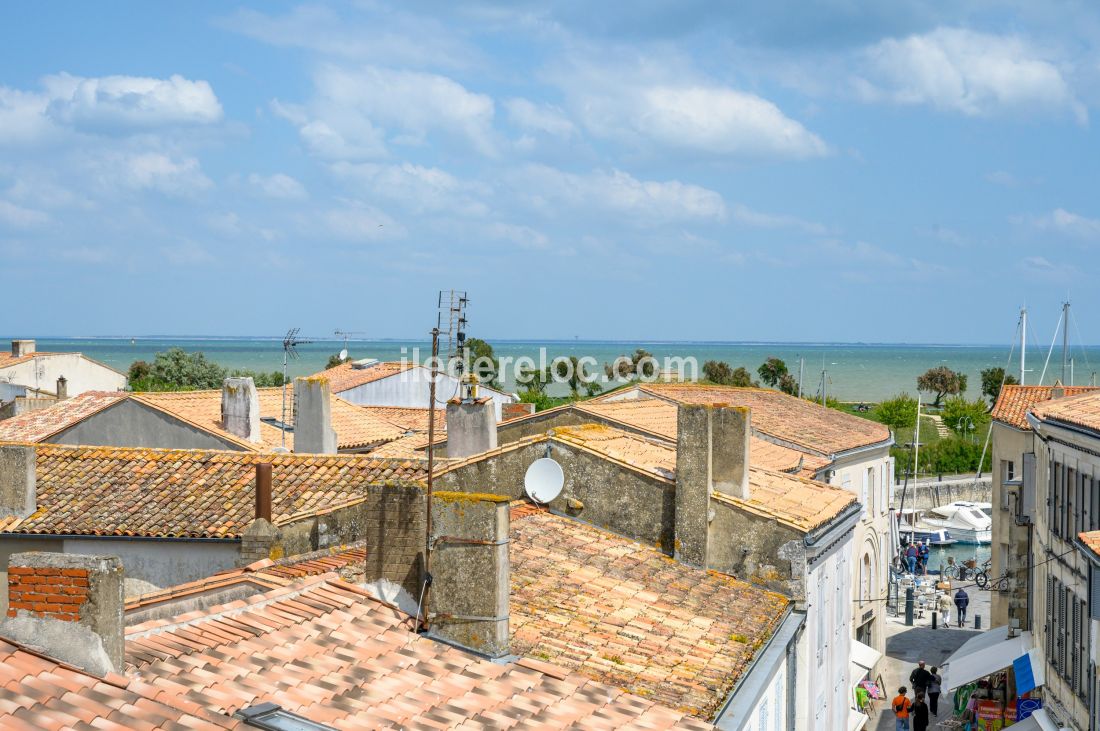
(854, 371)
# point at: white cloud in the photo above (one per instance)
(160, 172)
(20, 217)
(23, 117)
(279, 186)
(545, 118)
(523, 236)
(416, 187)
(1070, 224)
(749, 217)
(648, 201)
(968, 72)
(354, 110)
(360, 223)
(127, 102)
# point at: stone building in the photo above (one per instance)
(31, 379)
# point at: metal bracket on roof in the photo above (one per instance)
(456, 540)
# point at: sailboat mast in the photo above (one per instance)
(1023, 344)
(1065, 341)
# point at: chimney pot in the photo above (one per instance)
(70, 606)
(263, 491)
(62, 388)
(19, 348)
(241, 408)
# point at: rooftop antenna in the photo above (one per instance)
(345, 334)
(290, 344)
(451, 324)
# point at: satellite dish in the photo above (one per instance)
(344, 354)
(544, 480)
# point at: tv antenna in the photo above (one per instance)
(290, 345)
(345, 334)
(451, 324)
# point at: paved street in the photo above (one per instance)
(906, 645)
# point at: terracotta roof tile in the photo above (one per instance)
(40, 424)
(371, 672)
(189, 493)
(1015, 401)
(795, 501)
(1079, 406)
(1091, 539)
(409, 418)
(789, 419)
(346, 376)
(630, 616)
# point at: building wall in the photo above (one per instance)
(1060, 579)
(130, 424)
(750, 547)
(81, 373)
(411, 388)
(161, 563)
(1010, 540)
(771, 710)
(825, 650)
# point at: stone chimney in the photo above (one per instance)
(1058, 390)
(19, 348)
(712, 455)
(68, 605)
(17, 482)
(471, 427)
(313, 431)
(62, 388)
(241, 408)
(468, 599)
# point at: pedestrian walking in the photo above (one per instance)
(962, 601)
(944, 604)
(920, 713)
(923, 552)
(920, 678)
(934, 691)
(911, 558)
(901, 705)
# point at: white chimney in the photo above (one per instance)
(19, 348)
(241, 408)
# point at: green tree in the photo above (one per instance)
(719, 372)
(530, 378)
(899, 412)
(570, 371)
(742, 378)
(176, 369)
(772, 370)
(992, 379)
(788, 384)
(941, 381)
(335, 360)
(964, 417)
(951, 456)
(262, 379)
(639, 365)
(483, 362)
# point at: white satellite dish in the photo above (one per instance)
(544, 480)
(344, 354)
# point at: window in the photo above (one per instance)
(1008, 470)
(271, 717)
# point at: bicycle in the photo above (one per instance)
(1000, 583)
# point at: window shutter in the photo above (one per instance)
(1075, 641)
(866, 494)
(883, 489)
(1094, 592)
(1048, 630)
(1061, 630)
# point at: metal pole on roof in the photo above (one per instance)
(801, 366)
(431, 474)
(1023, 343)
(1065, 340)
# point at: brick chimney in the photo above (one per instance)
(68, 605)
(468, 599)
(471, 427)
(313, 431)
(712, 455)
(62, 388)
(258, 541)
(19, 348)
(241, 408)
(18, 496)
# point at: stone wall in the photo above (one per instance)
(924, 495)
(749, 547)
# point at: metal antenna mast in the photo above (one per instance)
(345, 334)
(451, 324)
(290, 344)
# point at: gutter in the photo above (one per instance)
(888, 442)
(748, 690)
(79, 536)
(840, 525)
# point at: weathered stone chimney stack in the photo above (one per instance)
(18, 495)
(69, 605)
(19, 348)
(62, 388)
(712, 455)
(241, 408)
(471, 427)
(313, 432)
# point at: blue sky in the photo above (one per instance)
(830, 171)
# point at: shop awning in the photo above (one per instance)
(987, 653)
(864, 655)
(1037, 721)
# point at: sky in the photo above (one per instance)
(848, 170)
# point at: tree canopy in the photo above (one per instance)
(483, 361)
(941, 381)
(993, 379)
(964, 417)
(899, 412)
(641, 364)
(772, 371)
(722, 374)
(177, 370)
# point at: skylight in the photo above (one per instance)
(272, 717)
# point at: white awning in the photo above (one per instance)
(1037, 721)
(857, 720)
(864, 655)
(984, 654)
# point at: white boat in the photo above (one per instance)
(966, 521)
(912, 527)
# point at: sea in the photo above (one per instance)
(854, 372)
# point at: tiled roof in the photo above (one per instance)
(412, 446)
(1080, 410)
(190, 493)
(346, 375)
(355, 427)
(786, 418)
(648, 454)
(324, 649)
(1091, 539)
(1014, 402)
(409, 418)
(38, 693)
(630, 616)
(653, 415)
(794, 501)
(7, 359)
(40, 424)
